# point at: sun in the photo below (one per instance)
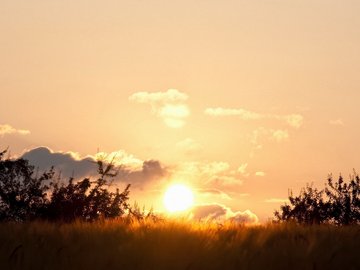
(178, 198)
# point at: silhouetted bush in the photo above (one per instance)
(344, 200)
(26, 196)
(338, 203)
(22, 193)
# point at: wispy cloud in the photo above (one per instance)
(208, 175)
(279, 135)
(293, 120)
(213, 192)
(243, 114)
(276, 200)
(337, 122)
(243, 169)
(170, 105)
(7, 129)
(189, 146)
(261, 174)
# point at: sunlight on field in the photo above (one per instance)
(128, 244)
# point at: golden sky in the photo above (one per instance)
(242, 100)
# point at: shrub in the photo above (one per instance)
(22, 192)
(25, 196)
(338, 203)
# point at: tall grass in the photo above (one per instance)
(125, 244)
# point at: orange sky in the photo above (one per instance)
(240, 99)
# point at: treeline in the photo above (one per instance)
(26, 195)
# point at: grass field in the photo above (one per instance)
(177, 245)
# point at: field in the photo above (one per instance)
(177, 245)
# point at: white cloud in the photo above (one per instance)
(337, 122)
(7, 129)
(120, 157)
(243, 114)
(293, 120)
(170, 106)
(170, 96)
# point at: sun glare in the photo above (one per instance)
(178, 198)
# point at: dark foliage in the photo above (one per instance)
(26, 196)
(344, 200)
(22, 193)
(338, 203)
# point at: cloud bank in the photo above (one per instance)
(131, 170)
(170, 106)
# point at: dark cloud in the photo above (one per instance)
(245, 217)
(66, 163)
(151, 170)
(220, 212)
(69, 164)
(208, 212)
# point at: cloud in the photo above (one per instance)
(242, 169)
(261, 174)
(208, 174)
(170, 96)
(247, 217)
(243, 114)
(7, 129)
(130, 169)
(170, 106)
(337, 122)
(151, 170)
(293, 120)
(257, 136)
(279, 135)
(209, 212)
(189, 146)
(68, 163)
(213, 192)
(218, 212)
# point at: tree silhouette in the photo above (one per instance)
(344, 200)
(22, 193)
(338, 203)
(25, 196)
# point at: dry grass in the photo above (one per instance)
(177, 245)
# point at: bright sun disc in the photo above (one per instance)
(178, 198)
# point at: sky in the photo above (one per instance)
(241, 100)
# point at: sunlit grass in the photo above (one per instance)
(172, 244)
